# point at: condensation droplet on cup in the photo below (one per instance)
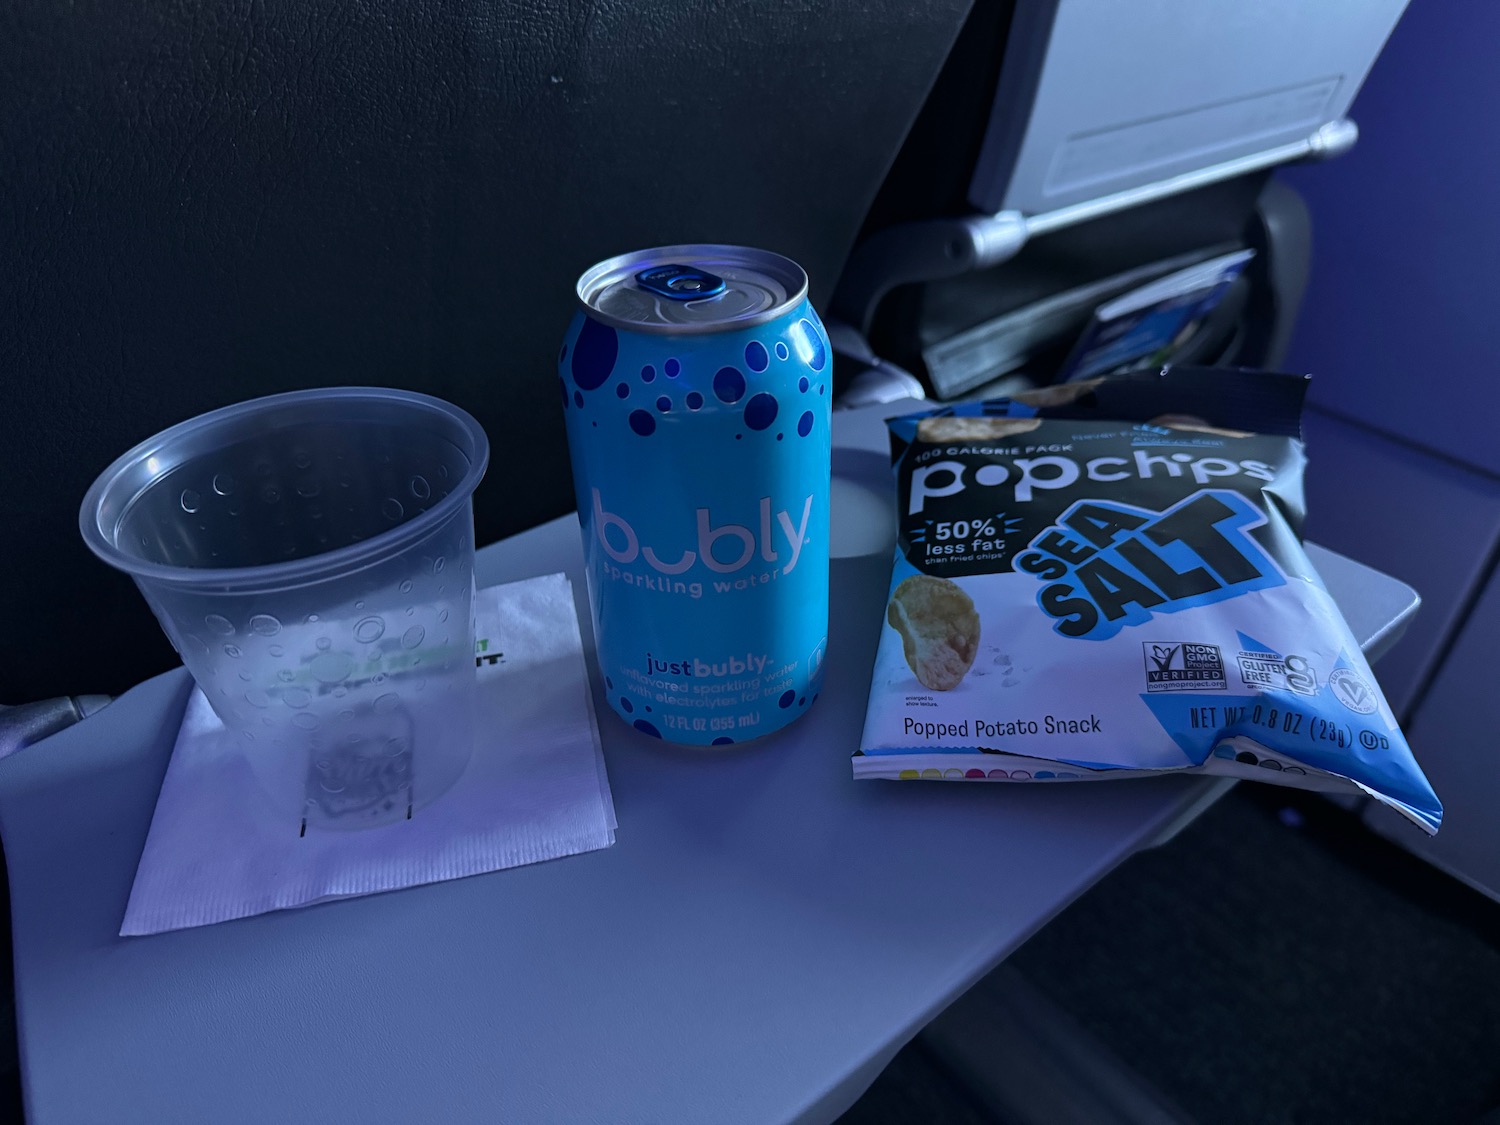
(311, 617)
(191, 501)
(406, 586)
(443, 471)
(235, 508)
(324, 644)
(392, 509)
(219, 624)
(306, 720)
(276, 650)
(378, 678)
(346, 714)
(359, 605)
(331, 667)
(257, 698)
(265, 625)
(223, 484)
(413, 636)
(340, 692)
(308, 488)
(232, 651)
(302, 459)
(296, 697)
(286, 675)
(270, 494)
(420, 488)
(438, 564)
(443, 616)
(411, 610)
(387, 703)
(246, 676)
(369, 629)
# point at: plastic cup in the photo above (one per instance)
(311, 557)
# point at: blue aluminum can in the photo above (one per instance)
(697, 386)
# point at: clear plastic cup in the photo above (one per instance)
(311, 557)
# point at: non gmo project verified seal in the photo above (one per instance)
(1183, 666)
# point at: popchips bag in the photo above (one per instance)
(1106, 579)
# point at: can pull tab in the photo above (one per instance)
(681, 283)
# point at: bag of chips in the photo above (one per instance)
(1106, 579)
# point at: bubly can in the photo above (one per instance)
(697, 386)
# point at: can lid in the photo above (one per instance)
(720, 289)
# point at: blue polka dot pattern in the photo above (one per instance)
(642, 423)
(664, 404)
(729, 385)
(672, 368)
(781, 352)
(623, 390)
(646, 728)
(755, 356)
(648, 373)
(594, 354)
(803, 384)
(609, 683)
(694, 400)
(809, 344)
(814, 341)
(625, 703)
(787, 698)
(805, 424)
(760, 411)
(578, 399)
(721, 741)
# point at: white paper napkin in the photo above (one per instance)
(534, 789)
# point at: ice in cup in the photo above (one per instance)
(311, 557)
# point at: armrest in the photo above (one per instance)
(31, 722)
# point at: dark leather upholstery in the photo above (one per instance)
(205, 202)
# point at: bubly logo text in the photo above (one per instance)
(723, 549)
(1026, 476)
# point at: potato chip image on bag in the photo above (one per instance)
(939, 629)
(1133, 551)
